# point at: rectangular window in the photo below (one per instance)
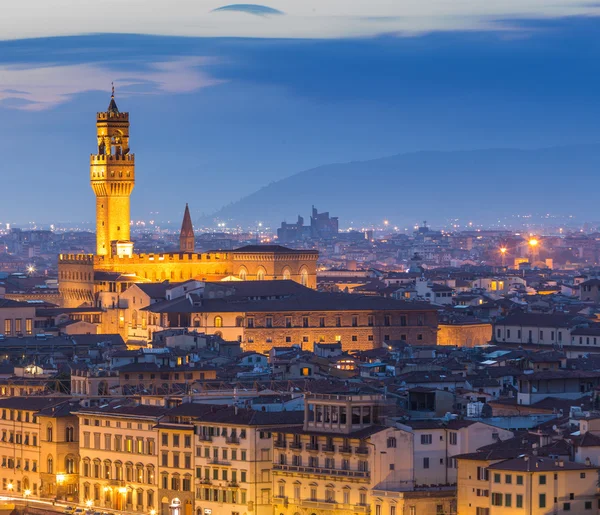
(28, 326)
(508, 500)
(508, 479)
(542, 479)
(497, 478)
(426, 439)
(567, 506)
(453, 438)
(322, 322)
(519, 501)
(269, 322)
(425, 463)
(304, 321)
(542, 501)
(18, 326)
(519, 480)
(8, 327)
(496, 499)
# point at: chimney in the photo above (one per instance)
(561, 464)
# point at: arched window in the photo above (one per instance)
(49, 432)
(70, 434)
(329, 493)
(139, 473)
(218, 322)
(243, 274)
(196, 322)
(286, 274)
(118, 471)
(281, 488)
(70, 465)
(304, 277)
(50, 465)
(260, 275)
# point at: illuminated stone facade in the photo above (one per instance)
(112, 176)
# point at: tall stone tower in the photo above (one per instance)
(112, 174)
(187, 241)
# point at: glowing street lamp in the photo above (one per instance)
(26, 494)
(89, 503)
(503, 251)
(10, 487)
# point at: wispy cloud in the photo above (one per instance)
(41, 86)
(304, 19)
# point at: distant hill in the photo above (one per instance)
(480, 185)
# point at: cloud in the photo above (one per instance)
(35, 86)
(304, 19)
(256, 10)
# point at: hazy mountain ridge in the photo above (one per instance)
(433, 185)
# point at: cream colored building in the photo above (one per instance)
(343, 460)
(119, 451)
(530, 485)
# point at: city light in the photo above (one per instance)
(89, 503)
(60, 478)
(503, 250)
(533, 242)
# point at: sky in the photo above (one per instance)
(226, 98)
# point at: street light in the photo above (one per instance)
(503, 251)
(26, 494)
(10, 487)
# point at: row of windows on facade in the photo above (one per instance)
(427, 439)
(530, 334)
(328, 490)
(94, 492)
(329, 463)
(138, 445)
(337, 338)
(15, 326)
(107, 423)
(506, 500)
(483, 475)
(24, 438)
(138, 473)
(75, 276)
(322, 322)
(15, 464)
(229, 496)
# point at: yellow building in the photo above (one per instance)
(39, 453)
(119, 457)
(112, 176)
(526, 484)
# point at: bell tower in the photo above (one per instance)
(112, 175)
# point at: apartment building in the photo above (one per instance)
(38, 448)
(525, 484)
(343, 459)
(120, 460)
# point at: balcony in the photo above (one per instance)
(346, 449)
(232, 440)
(361, 450)
(280, 444)
(205, 438)
(328, 448)
(312, 447)
(233, 484)
(321, 471)
(296, 445)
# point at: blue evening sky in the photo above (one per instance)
(215, 118)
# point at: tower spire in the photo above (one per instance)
(112, 107)
(187, 240)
